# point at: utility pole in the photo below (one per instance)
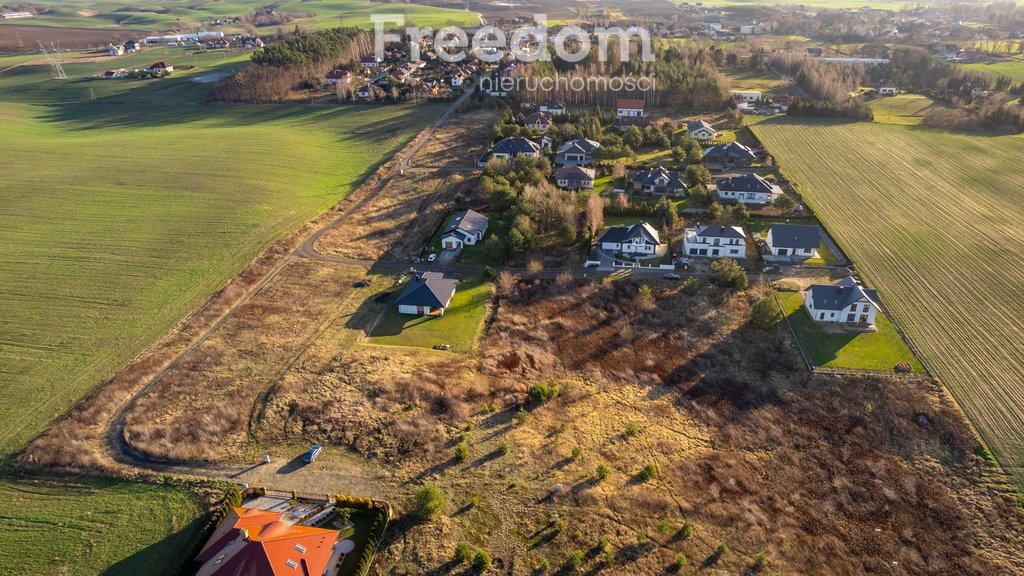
(56, 70)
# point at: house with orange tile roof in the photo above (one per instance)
(259, 543)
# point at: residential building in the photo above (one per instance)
(552, 107)
(629, 108)
(427, 294)
(845, 302)
(466, 229)
(748, 96)
(160, 68)
(337, 77)
(115, 50)
(887, 89)
(658, 180)
(370, 61)
(511, 147)
(259, 542)
(573, 177)
(797, 240)
(132, 46)
(731, 154)
(577, 152)
(748, 189)
(715, 242)
(701, 130)
(637, 239)
(538, 121)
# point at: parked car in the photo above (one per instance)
(310, 456)
(671, 276)
(683, 264)
(442, 346)
(432, 257)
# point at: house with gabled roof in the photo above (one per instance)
(701, 131)
(639, 239)
(845, 301)
(629, 108)
(715, 241)
(658, 180)
(337, 77)
(466, 229)
(730, 154)
(160, 67)
(794, 240)
(427, 294)
(747, 189)
(574, 177)
(553, 107)
(577, 152)
(259, 543)
(509, 148)
(538, 121)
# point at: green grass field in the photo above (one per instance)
(934, 221)
(1012, 69)
(119, 220)
(458, 327)
(88, 527)
(186, 14)
(881, 350)
(903, 109)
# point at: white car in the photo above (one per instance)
(432, 257)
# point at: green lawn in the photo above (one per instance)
(182, 13)
(458, 327)
(903, 109)
(89, 526)
(1013, 69)
(880, 350)
(119, 220)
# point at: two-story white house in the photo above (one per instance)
(638, 239)
(845, 302)
(794, 240)
(701, 131)
(715, 242)
(467, 228)
(629, 108)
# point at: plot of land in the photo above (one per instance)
(935, 222)
(904, 109)
(830, 347)
(119, 220)
(458, 327)
(1012, 69)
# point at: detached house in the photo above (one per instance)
(337, 77)
(793, 240)
(553, 107)
(628, 108)
(715, 242)
(538, 121)
(731, 154)
(467, 228)
(160, 68)
(886, 89)
(576, 152)
(701, 131)
(658, 181)
(509, 148)
(370, 61)
(427, 294)
(639, 238)
(749, 189)
(573, 177)
(845, 301)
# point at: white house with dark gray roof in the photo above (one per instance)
(637, 239)
(748, 189)
(658, 180)
(715, 242)
(701, 131)
(845, 302)
(794, 240)
(553, 107)
(540, 121)
(466, 229)
(579, 152)
(509, 148)
(573, 177)
(427, 294)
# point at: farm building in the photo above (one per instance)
(467, 228)
(845, 301)
(658, 181)
(701, 131)
(251, 541)
(748, 189)
(576, 152)
(15, 15)
(509, 148)
(572, 177)
(715, 241)
(427, 294)
(793, 240)
(639, 238)
(115, 50)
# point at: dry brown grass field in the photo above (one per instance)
(935, 221)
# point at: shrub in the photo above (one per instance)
(521, 416)
(490, 273)
(664, 527)
(428, 502)
(503, 448)
(691, 286)
(603, 544)
(726, 273)
(542, 392)
(641, 536)
(461, 452)
(632, 429)
(760, 560)
(687, 529)
(560, 526)
(463, 553)
(680, 561)
(721, 549)
(603, 472)
(576, 560)
(649, 472)
(576, 452)
(765, 313)
(482, 561)
(645, 293)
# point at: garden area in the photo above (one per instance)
(458, 327)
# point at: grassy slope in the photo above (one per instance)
(118, 220)
(1012, 69)
(904, 109)
(184, 13)
(95, 526)
(934, 220)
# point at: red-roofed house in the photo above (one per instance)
(160, 67)
(626, 108)
(338, 77)
(257, 543)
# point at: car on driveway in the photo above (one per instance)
(671, 276)
(311, 455)
(432, 257)
(683, 264)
